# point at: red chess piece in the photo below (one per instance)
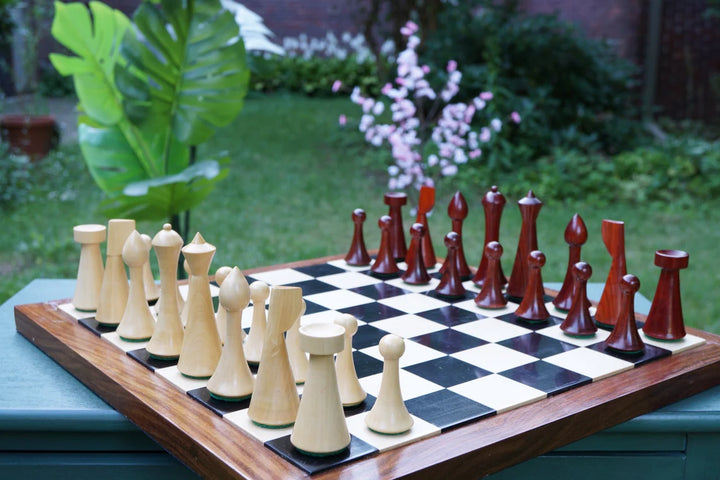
(396, 200)
(385, 262)
(451, 284)
(493, 203)
(458, 212)
(579, 322)
(529, 210)
(416, 273)
(625, 337)
(426, 203)
(665, 320)
(575, 236)
(608, 309)
(491, 295)
(532, 308)
(358, 255)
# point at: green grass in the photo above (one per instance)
(295, 179)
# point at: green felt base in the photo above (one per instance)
(228, 399)
(272, 426)
(134, 340)
(321, 455)
(390, 434)
(164, 358)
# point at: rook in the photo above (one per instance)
(90, 268)
(665, 320)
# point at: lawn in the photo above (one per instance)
(295, 178)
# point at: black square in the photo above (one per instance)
(219, 407)
(451, 316)
(312, 464)
(547, 377)
(372, 312)
(446, 409)
(93, 325)
(365, 365)
(447, 371)
(649, 354)
(311, 307)
(515, 320)
(365, 406)
(367, 336)
(150, 362)
(311, 287)
(448, 341)
(379, 291)
(320, 270)
(537, 345)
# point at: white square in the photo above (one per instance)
(411, 385)
(241, 420)
(420, 429)
(73, 312)
(341, 263)
(471, 306)
(398, 282)
(494, 358)
(555, 312)
(498, 392)
(125, 346)
(338, 299)
(214, 290)
(349, 280)
(408, 326)
(471, 287)
(491, 329)
(283, 276)
(413, 303)
(180, 381)
(556, 333)
(590, 363)
(414, 353)
(687, 342)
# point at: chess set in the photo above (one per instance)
(415, 367)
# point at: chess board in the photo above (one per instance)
(486, 389)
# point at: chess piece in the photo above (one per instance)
(384, 264)
(152, 291)
(232, 379)
(389, 415)
(529, 210)
(396, 200)
(665, 320)
(220, 316)
(532, 308)
(137, 323)
(296, 354)
(201, 347)
(351, 392)
(114, 290)
(491, 295)
(450, 285)
(358, 255)
(90, 267)
(493, 203)
(608, 309)
(579, 322)
(259, 292)
(625, 337)
(183, 312)
(167, 338)
(458, 212)
(416, 273)
(575, 236)
(426, 203)
(320, 428)
(275, 400)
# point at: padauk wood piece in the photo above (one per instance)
(532, 308)
(579, 322)
(90, 267)
(575, 236)
(458, 212)
(426, 202)
(450, 285)
(416, 273)
(358, 254)
(608, 309)
(665, 320)
(493, 203)
(385, 264)
(396, 200)
(625, 337)
(491, 295)
(529, 210)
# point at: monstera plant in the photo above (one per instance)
(150, 91)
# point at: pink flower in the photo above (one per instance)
(342, 119)
(515, 117)
(451, 66)
(486, 96)
(409, 28)
(336, 85)
(475, 153)
(426, 69)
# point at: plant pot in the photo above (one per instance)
(32, 135)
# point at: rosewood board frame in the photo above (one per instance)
(214, 448)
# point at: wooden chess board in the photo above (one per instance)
(460, 364)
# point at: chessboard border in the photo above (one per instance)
(214, 448)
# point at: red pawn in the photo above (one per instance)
(625, 337)
(575, 236)
(579, 322)
(358, 255)
(385, 262)
(491, 295)
(493, 203)
(532, 308)
(451, 284)
(416, 273)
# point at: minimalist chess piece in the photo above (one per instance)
(183, 312)
(396, 200)
(493, 203)
(220, 316)
(426, 202)
(259, 292)
(320, 428)
(275, 401)
(137, 323)
(385, 264)
(416, 273)
(529, 210)
(608, 309)
(458, 212)
(232, 379)
(296, 354)
(358, 254)
(351, 392)
(167, 338)
(575, 236)
(532, 308)
(450, 285)
(665, 320)
(90, 267)
(201, 347)
(491, 295)
(152, 291)
(625, 337)
(114, 290)
(579, 322)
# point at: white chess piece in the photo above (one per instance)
(220, 317)
(152, 292)
(114, 290)
(259, 292)
(90, 267)
(298, 359)
(351, 392)
(137, 323)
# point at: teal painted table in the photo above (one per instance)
(52, 426)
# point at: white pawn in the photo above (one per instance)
(298, 359)
(152, 292)
(90, 268)
(137, 323)
(232, 380)
(389, 414)
(351, 392)
(320, 427)
(259, 292)
(114, 290)
(220, 317)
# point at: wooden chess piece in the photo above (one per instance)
(625, 337)
(389, 415)
(201, 347)
(532, 308)
(396, 200)
(296, 354)
(575, 236)
(491, 295)
(450, 285)
(320, 428)
(220, 316)
(90, 268)
(358, 255)
(259, 292)
(579, 322)
(137, 323)
(665, 320)
(275, 400)
(167, 338)
(416, 273)
(493, 203)
(152, 291)
(458, 212)
(529, 210)
(608, 309)
(384, 264)
(232, 379)
(114, 290)
(351, 392)
(426, 203)
(183, 312)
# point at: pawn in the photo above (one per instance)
(579, 322)
(232, 379)
(575, 236)
(137, 323)
(152, 291)
(220, 316)
(389, 415)
(416, 273)
(491, 295)
(358, 255)
(625, 337)
(532, 308)
(458, 211)
(259, 292)
(114, 290)
(450, 285)
(90, 267)
(320, 428)
(351, 392)
(385, 264)
(298, 359)
(665, 320)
